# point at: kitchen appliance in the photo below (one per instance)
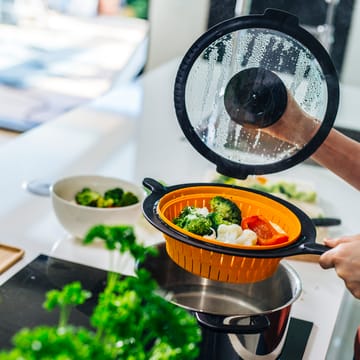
(22, 295)
(233, 85)
(252, 319)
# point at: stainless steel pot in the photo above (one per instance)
(252, 317)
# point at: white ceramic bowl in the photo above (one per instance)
(78, 219)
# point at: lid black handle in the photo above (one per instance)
(255, 97)
(282, 16)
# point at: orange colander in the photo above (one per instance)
(222, 261)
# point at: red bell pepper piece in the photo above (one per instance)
(266, 233)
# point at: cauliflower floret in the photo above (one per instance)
(234, 234)
(248, 237)
(229, 233)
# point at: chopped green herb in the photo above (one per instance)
(130, 321)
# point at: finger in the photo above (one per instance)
(332, 242)
(326, 260)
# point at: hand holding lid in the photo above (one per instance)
(294, 126)
(244, 88)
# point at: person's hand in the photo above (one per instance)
(345, 258)
(295, 126)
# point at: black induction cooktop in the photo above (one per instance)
(22, 296)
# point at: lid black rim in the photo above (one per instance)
(275, 20)
(308, 232)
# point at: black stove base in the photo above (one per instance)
(296, 339)
(217, 346)
(22, 296)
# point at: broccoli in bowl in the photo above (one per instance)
(115, 197)
(83, 201)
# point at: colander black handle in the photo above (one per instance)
(313, 248)
(257, 324)
(326, 221)
(154, 186)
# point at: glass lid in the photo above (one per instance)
(256, 94)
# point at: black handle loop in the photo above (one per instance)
(257, 323)
(154, 186)
(326, 221)
(313, 248)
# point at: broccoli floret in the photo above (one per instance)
(120, 198)
(87, 197)
(105, 203)
(264, 188)
(202, 222)
(290, 190)
(199, 225)
(115, 195)
(195, 220)
(224, 211)
(181, 219)
(217, 220)
(128, 198)
(189, 212)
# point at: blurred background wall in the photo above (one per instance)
(176, 24)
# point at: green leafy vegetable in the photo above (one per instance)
(48, 343)
(130, 321)
(70, 296)
(291, 190)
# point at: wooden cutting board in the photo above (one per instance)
(305, 257)
(9, 255)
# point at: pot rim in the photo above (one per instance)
(170, 294)
(232, 315)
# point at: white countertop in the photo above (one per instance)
(118, 141)
(48, 67)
